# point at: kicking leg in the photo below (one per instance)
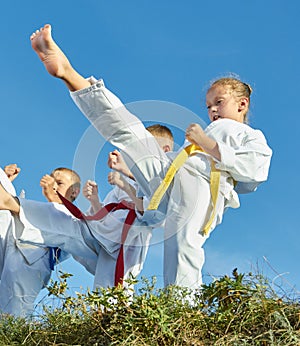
(55, 61)
(108, 115)
(46, 225)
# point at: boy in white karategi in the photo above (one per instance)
(137, 244)
(26, 269)
(96, 243)
(239, 152)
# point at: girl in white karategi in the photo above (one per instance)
(239, 152)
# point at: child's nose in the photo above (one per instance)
(212, 110)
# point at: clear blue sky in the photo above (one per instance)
(165, 51)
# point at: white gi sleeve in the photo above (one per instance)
(245, 154)
(6, 183)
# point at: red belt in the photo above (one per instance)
(119, 271)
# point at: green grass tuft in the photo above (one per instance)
(237, 310)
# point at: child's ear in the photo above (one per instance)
(75, 192)
(243, 104)
(166, 148)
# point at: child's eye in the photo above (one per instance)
(219, 101)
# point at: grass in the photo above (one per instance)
(239, 310)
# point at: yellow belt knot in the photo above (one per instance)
(179, 160)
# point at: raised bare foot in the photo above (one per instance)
(48, 51)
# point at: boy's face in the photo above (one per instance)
(221, 103)
(64, 185)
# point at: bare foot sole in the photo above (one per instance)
(49, 53)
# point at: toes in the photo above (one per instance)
(36, 33)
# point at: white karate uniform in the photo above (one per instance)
(97, 243)
(187, 205)
(24, 268)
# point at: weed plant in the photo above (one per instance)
(237, 310)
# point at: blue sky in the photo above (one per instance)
(166, 51)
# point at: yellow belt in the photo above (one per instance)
(179, 160)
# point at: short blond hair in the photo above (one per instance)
(162, 132)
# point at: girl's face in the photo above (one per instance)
(222, 103)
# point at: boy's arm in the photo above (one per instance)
(90, 192)
(114, 178)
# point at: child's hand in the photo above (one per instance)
(12, 171)
(47, 182)
(48, 186)
(114, 158)
(116, 162)
(115, 178)
(90, 190)
(195, 134)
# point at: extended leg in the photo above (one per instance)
(107, 114)
(44, 225)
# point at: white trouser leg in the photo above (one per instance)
(45, 225)
(189, 211)
(105, 270)
(5, 225)
(21, 282)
